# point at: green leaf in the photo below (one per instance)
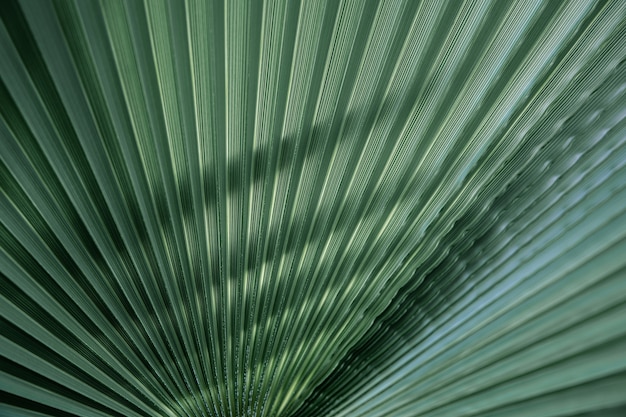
(312, 208)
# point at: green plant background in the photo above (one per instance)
(312, 208)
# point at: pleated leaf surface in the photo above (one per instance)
(312, 208)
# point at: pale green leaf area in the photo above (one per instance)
(308, 208)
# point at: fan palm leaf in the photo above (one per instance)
(312, 208)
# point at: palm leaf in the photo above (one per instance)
(310, 208)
